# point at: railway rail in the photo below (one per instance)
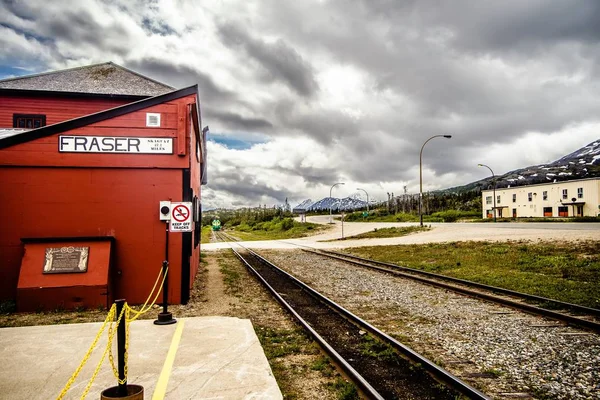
(574, 314)
(360, 350)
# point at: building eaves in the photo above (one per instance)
(100, 79)
(28, 135)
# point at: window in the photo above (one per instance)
(563, 211)
(29, 121)
(498, 199)
(565, 194)
(514, 197)
(580, 193)
(545, 195)
(488, 199)
(529, 196)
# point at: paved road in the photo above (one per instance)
(440, 232)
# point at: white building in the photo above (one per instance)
(576, 198)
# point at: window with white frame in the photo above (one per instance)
(488, 199)
(580, 193)
(514, 197)
(565, 194)
(545, 195)
(529, 196)
(498, 199)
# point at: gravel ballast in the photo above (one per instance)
(503, 352)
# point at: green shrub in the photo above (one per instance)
(287, 224)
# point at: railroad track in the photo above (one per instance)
(380, 366)
(573, 314)
(569, 313)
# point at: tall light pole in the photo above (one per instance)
(367, 197)
(331, 205)
(421, 175)
(493, 180)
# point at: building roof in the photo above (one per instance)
(11, 137)
(99, 79)
(8, 132)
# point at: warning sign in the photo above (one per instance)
(181, 217)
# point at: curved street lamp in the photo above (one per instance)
(331, 205)
(421, 175)
(493, 180)
(367, 197)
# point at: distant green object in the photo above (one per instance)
(365, 214)
(216, 225)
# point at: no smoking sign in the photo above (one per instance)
(181, 217)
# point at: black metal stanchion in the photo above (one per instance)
(121, 339)
(122, 390)
(165, 317)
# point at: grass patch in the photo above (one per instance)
(282, 342)
(567, 272)
(345, 390)
(205, 234)
(276, 229)
(373, 347)
(441, 216)
(388, 232)
(231, 276)
(324, 365)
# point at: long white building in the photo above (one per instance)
(576, 198)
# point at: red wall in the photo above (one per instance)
(56, 109)
(51, 194)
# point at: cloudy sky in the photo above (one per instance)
(303, 94)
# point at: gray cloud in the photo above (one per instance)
(279, 60)
(233, 120)
(489, 73)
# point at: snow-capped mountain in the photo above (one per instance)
(580, 164)
(303, 206)
(348, 203)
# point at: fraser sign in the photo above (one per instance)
(115, 144)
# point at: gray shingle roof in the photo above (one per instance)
(107, 78)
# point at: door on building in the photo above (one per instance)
(580, 211)
(547, 211)
(514, 213)
(563, 211)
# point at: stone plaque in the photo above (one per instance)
(68, 259)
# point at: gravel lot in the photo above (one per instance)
(506, 354)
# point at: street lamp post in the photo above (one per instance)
(331, 205)
(493, 180)
(367, 197)
(421, 175)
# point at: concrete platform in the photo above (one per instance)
(212, 358)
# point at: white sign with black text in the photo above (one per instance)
(115, 144)
(181, 217)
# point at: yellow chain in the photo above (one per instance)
(109, 317)
(142, 311)
(126, 309)
(111, 334)
(152, 291)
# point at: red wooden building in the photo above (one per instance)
(86, 155)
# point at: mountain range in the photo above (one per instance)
(580, 164)
(347, 203)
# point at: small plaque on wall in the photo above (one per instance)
(68, 259)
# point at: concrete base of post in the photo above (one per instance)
(134, 392)
(165, 319)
